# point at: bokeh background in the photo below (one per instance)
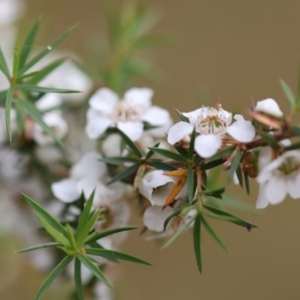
(227, 49)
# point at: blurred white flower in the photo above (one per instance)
(11, 11)
(48, 102)
(56, 122)
(278, 178)
(107, 110)
(155, 186)
(269, 106)
(102, 292)
(211, 124)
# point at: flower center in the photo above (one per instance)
(212, 121)
(289, 166)
(125, 113)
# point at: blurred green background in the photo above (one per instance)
(232, 49)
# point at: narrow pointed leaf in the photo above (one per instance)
(288, 92)
(85, 214)
(151, 153)
(46, 51)
(40, 75)
(39, 209)
(179, 232)
(182, 151)
(111, 254)
(212, 164)
(192, 142)
(212, 233)
(8, 104)
(28, 43)
(268, 138)
(53, 232)
(3, 65)
(118, 160)
(247, 183)
(191, 183)
(36, 247)
(16, 58)
(222, 153)
(239, 175)
(71, 236)
(197, 242)
(42, 89)
(35, 115)
(169, 154)
(87, 228)
(78, 281)
(181, 116)
(95, 237)
(94, 269)
(160, 165)
(55, 272)
(231, 218)
(125, 173)
(295, 130)
(139, 176)
(234, 165)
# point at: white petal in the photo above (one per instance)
(293, 186)
(89, 165)
(179, 131)
(154, 217)
(265, 157)
(96, 126)
(275, 190)
(104, 101)
(262, 201)
(242, 131)
(140, 97)
(269, 106)
(206, 145)
(48, 101)
(65, 190)
(87, 186)
(156, 115)
(10, 11)
(194, 115)
(133, 130)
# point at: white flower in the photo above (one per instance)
(84, 174)
(211, 124)
(102, 291)
(48, 102)
(10, 11)
(56, 122)
(269, 106)
(106, 110)
(278, 178)
(156, 187)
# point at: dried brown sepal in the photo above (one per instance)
(267, 120)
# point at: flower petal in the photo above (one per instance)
(262, 201)
(269, 106)
(206, 145)
(133, 130)
(275, 190)
(104, 101)
(179, 131)
(139, 97)
(65, 190)
(154, 217)
(293, 186)
(96, 126)
(242, 131)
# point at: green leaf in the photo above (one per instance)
(239, 175)
(247, 183)
(288, 92)
(191, 183)
(295, 129)
(234, 165)
(42, 89)
(151, 153)
(197, 242)
(118, 160)
(36, 247)
(212, 233)
(71, 237)
(125, 173)
(231, 218)
(169, 154)
(53, 232)
(215, 192)
(223, 153)
(3, 65)
(87, 228)
(111, 254)
(182, 151)
(44, 52)
(55, 272)
(45, 71)
(78, 281)
(192, 143)
(8, 104)
(130, 143)
(43, 213)
(94, 269)
(212, 164)
(181, 116)
(16, 57)
(178, 233)
(85, 215)
(269, 139)
(95, 237)
(35, 115)
(28, 43)
(160, 165)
